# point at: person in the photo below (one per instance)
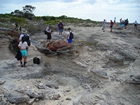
(16, 26)
(122, 23)
(111, 25)
(114, 20)
(103, 25)
(48, 32)
(25, 34)
(20, 28)
(23, 46)
(126, 22)
(69, 40)
(60, 27)
(135, 24)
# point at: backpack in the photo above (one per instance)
(36, 60)
(71, 35)
(45, 32)
(27, 39)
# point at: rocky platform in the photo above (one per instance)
(102, 68)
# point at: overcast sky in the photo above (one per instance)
(96, 10)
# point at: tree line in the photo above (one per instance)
(27, 12)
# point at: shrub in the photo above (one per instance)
(18, 20)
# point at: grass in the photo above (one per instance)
(8, 21)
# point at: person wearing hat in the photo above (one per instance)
(60, 27)
(49, 32)
(23, 34)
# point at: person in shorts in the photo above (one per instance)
(23, 49)
(135, 24)
(111, 25)
(68, 36)
(60, 27)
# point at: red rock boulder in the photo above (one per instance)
(58, 45)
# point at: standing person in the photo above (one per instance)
(48, 32)
(114, 20)
(135, 24)
(20, 28)
(16, 26)
(126, 23)
(122, 23)
(23, 46)
(26, 35)
(111, 25)
(69, 36)
(103, 25)
(60, 27)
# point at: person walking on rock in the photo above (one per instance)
(69, 36)
(48, 32)
(126, 23)
(103, 25)
(111, 25)
(122, 22)
(23, 46)
(114, 20)
(135, 24)
(26, 35)
(60, 27)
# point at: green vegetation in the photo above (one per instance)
(26, 19)
(17, 20)
(38, 23)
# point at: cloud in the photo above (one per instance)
(87, 9)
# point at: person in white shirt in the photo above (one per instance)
(135, 24)
(103, 25)
(24, 33)
(48, 32)
(69, 40)
(23, 46)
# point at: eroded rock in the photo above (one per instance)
(15, 97)
(58, 45)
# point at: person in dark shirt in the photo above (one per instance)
(60, 27)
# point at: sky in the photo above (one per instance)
(96, 10)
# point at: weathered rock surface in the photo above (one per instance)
(58, 45)
(100, 69)
(15, 97)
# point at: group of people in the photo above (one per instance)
(111, 24)
(24, 43)
(123, 24)
(48, 31)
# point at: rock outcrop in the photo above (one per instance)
(58, 45)
(103, 69)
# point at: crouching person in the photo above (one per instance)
(23, 46)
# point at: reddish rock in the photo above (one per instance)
(58, 45)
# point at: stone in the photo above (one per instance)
(33, 94)
(15, 97)
(56, 96)
(58, 45)
(2, 82)
(100, 73)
